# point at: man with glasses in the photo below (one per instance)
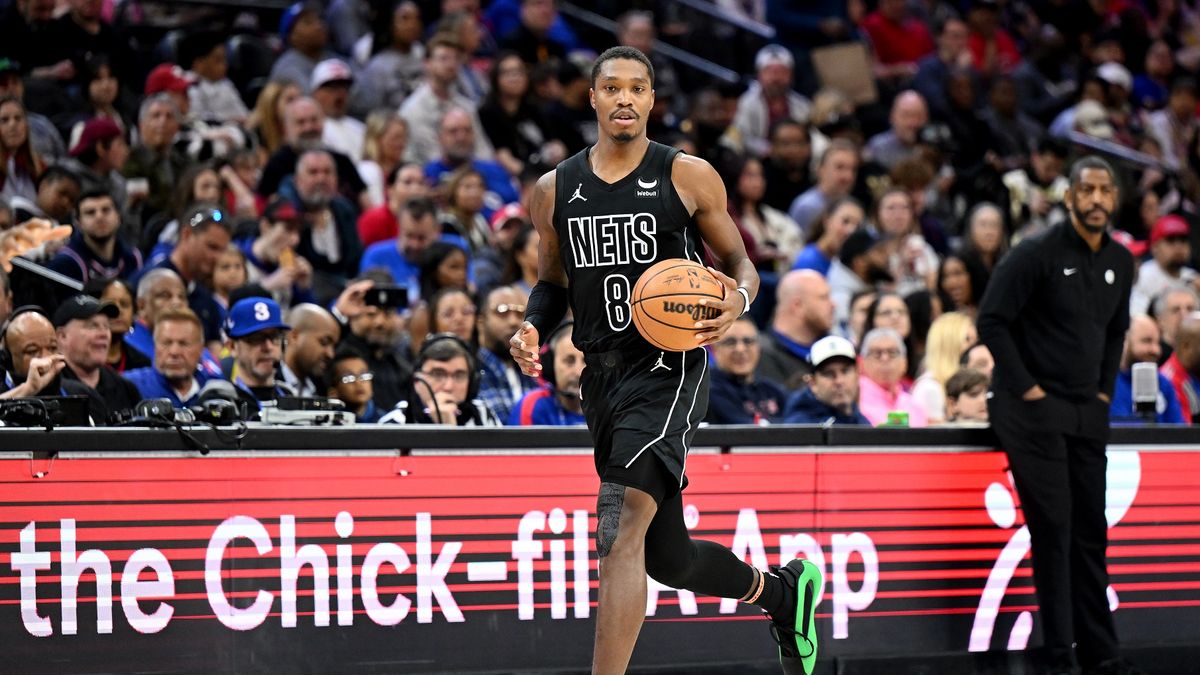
(735, 395)
(884, 360)
(352, 385)
(256, 334)
(831, 396)
(501, 382)
(204, 235)
(441, 389)
(803, 315)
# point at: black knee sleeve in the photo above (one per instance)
(608, 516)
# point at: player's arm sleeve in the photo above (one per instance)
(1007, 293)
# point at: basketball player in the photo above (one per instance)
(605, 216)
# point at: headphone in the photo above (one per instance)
(547, 357)
(6, 358)
(472, 363)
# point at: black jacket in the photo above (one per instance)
(1055, 315)
(805, 408)
(732, 400)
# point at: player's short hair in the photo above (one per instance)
(622, 53)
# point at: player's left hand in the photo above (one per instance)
(712, 330)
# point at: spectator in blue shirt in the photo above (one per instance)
(735, 395)
(1142, 345)
(204, 235)
(176, 375)
(352, 385)
(159, 290)
(832, 393)
(456, 136)
(401, 256)
(559, 403)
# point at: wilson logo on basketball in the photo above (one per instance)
(698, 312)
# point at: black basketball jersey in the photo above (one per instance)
(609, 233)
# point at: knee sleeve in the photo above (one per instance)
(608, 516)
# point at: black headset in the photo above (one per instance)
(547, 353)
(6, 358)
(472, 362)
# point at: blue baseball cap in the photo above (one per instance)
(292, 13)
(251, 315)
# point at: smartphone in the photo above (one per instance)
(392, 297)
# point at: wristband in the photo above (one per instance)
(746, 297)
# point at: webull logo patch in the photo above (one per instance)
(697, 312)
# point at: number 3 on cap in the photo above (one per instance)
(261, 311)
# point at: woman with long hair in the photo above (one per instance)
(772, 238)
(521, 269)
(453, 310)
(121, 357)
(960, 284)
(983, 238)
(201, 183)
(383, 150)
(911, 260)
(266, 120)
(20, 164)
(828, 232)
(463, 211)
(394, 67)
(889, 310)
(101, 90)
(513, 122)
(949, 336)
(442, 266)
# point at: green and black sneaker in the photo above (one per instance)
(795, 629)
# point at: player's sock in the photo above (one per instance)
(773, 598)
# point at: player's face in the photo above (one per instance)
(622, 98)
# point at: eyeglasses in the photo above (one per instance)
(503, 309)
(880, 354)
(259, 339)
(441, 375)
(731, 342)
(213, 215)
(351, 379)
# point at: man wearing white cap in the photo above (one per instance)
(769, 99)
(331, 81)
(832, 392)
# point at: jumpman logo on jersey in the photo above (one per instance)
(578, 194)
(659, 364)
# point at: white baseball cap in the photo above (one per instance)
(773, 55)
(331, 70)
(831, 347)
(1115, 73)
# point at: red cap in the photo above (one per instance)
(506, 213)
(167, 77)
(281, 210)
(1168, 226)
(1137, 248)
(94, 130)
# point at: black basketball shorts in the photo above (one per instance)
(644, 405)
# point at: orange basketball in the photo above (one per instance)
(666, 303)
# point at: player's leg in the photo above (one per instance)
(787, 594)
(1095, 633)
(623, 515)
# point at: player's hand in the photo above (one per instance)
(712, 330)
(523, 346)
(1035, 393)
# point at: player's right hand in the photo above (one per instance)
(524, 349)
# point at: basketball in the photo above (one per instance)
(666, 303)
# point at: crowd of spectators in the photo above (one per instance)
(330, 201)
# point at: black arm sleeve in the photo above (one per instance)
(1014, 281)
(548, 305)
